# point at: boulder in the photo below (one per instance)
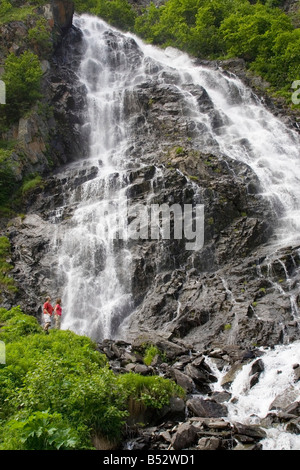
(293, 426)
(206, 408)
(208, 443)
(174, 411)
(185, 436)
(184, 381)
(249, 431)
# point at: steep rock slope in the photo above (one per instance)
(46, 136)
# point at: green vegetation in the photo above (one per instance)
(31, 182)
(9, 11)
(150, 353)
(57, 391)
(22, 77)
(259, 33)
(7, 179)
(40, 37)
(118, 13)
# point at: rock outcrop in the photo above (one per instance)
(48, 135)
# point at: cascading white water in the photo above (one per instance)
(277, 381)
(95, 298)
(96, 281)
(276, 389)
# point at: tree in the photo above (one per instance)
(117, 12)
(251, 33)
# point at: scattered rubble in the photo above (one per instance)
(200, 421)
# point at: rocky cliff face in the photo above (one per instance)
(233, 291)
(47, 136)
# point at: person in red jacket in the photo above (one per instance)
(47, 310)
(57, 314)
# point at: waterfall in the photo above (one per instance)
(94, 260)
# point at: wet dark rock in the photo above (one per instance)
(209, 443)
(293, 409)
(184, 437)
(221, 397)
(206, 408)
(249, 432)
(184, 381)
(293, 426)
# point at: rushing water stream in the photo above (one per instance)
(249, 405)
(96, 295)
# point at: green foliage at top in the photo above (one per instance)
(260, 33)
(84, 6)
(57, 391)
(118, 13)
(22, 78)
(257, 31)
(267, 40)
(11, 11)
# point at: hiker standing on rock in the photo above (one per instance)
(57, 314)
(47, 310)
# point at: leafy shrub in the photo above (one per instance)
(30, 183)
(22, 77)
(152, 391)
(119, 13)
(40, 37)
(19, 325)
(150, 354)
(259, 32)
(40, 431)
(5, 7)
(11, 11)
(84, 6)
